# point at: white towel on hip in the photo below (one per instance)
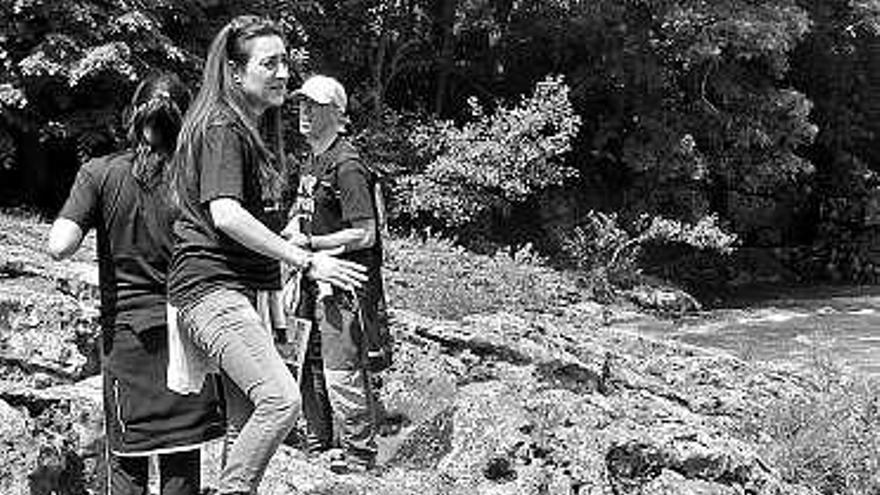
(188, 364)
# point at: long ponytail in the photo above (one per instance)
(154, 119)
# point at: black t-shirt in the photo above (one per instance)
(205, 258)
(336, 190)
(134, 239)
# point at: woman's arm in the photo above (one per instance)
(230, 217)
(65, 237)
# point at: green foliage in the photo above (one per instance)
(12, 97)
(836, 66)
(609, 254)
(719, 74)
(494, 160)
(436, 277)
(64, 63)
(829, 438)
(68, 68)
(683, 105)
(865, 16)
(377, 48)
(761, 113)
(384, 142)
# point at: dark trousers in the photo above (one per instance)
(316, 404)
(334, 381)
(179, 474)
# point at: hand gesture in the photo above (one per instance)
(341, 273)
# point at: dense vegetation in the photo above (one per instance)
(504, 121)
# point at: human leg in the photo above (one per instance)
(348, 383)
(227, 326)
(351, 399)
(180, 472)
(127, 475)
(238, 410)
(316, 403)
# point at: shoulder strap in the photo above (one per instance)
(381, 208)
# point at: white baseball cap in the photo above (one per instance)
(323, 90)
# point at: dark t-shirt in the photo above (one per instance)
(336, 190)
(205, 258)
(134, 239)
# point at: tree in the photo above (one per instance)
(480, 170)
(66, 70)
(838, 67)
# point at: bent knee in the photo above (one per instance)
(284, 406)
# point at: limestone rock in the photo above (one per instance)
(668, 300)
(45, 332)
(16, 453)
(672, 483)
(57, 446)
(48, 309)
(519, 403)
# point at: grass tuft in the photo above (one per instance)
(830, 438)
(433, 276)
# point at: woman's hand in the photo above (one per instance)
(341, 273)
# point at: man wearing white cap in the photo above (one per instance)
(335, 208)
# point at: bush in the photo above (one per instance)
(609, 254)
(384, 142)
(497, 160)
(433, 276)
(829, 439)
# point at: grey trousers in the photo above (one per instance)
(335, 383)
(262, 400)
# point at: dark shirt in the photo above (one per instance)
(134, 242)
(205, 258)
(336, 190)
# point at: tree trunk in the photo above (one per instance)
(446, 59)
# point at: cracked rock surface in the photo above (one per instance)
(576, 402)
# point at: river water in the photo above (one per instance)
(791, 324)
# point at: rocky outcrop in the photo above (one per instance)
(666, 300)
(574, 402)
(51, 440)
(534, 404)
(48, 309)
(50, 411)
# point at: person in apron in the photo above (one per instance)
(125, 198)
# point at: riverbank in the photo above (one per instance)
(507, 380)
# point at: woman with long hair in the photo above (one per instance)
(228, 187)
(125, 197)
